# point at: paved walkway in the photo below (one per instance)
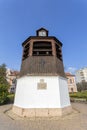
(75, 121)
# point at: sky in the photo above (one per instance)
(65, 19)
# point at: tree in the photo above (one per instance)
(79, 87)
(3, 84)
(82, 86)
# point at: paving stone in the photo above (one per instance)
(75, 121)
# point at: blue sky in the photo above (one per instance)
(65, 19)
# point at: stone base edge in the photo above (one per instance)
(41, 112)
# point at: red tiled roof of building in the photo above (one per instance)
(15, 73)
(69, 74)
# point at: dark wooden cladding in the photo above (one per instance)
(42, 56)
(42, 65)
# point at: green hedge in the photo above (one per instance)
(7, 99)
(10, 98)
(79, 95)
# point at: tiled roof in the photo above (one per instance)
(69, 74)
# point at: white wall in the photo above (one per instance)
(55, 96)
(64, 94)
(78, 77)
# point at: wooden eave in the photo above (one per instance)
(40, 37)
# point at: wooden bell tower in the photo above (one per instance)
(42, 55)
(42, 89)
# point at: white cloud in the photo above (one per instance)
(71, 70)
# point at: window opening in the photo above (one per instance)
(42, 48)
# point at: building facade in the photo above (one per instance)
(11, 77)
(81, 75)
(71, 83)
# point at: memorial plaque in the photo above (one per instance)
(41, 85)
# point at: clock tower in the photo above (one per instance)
(42, 88)
(42, 32)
